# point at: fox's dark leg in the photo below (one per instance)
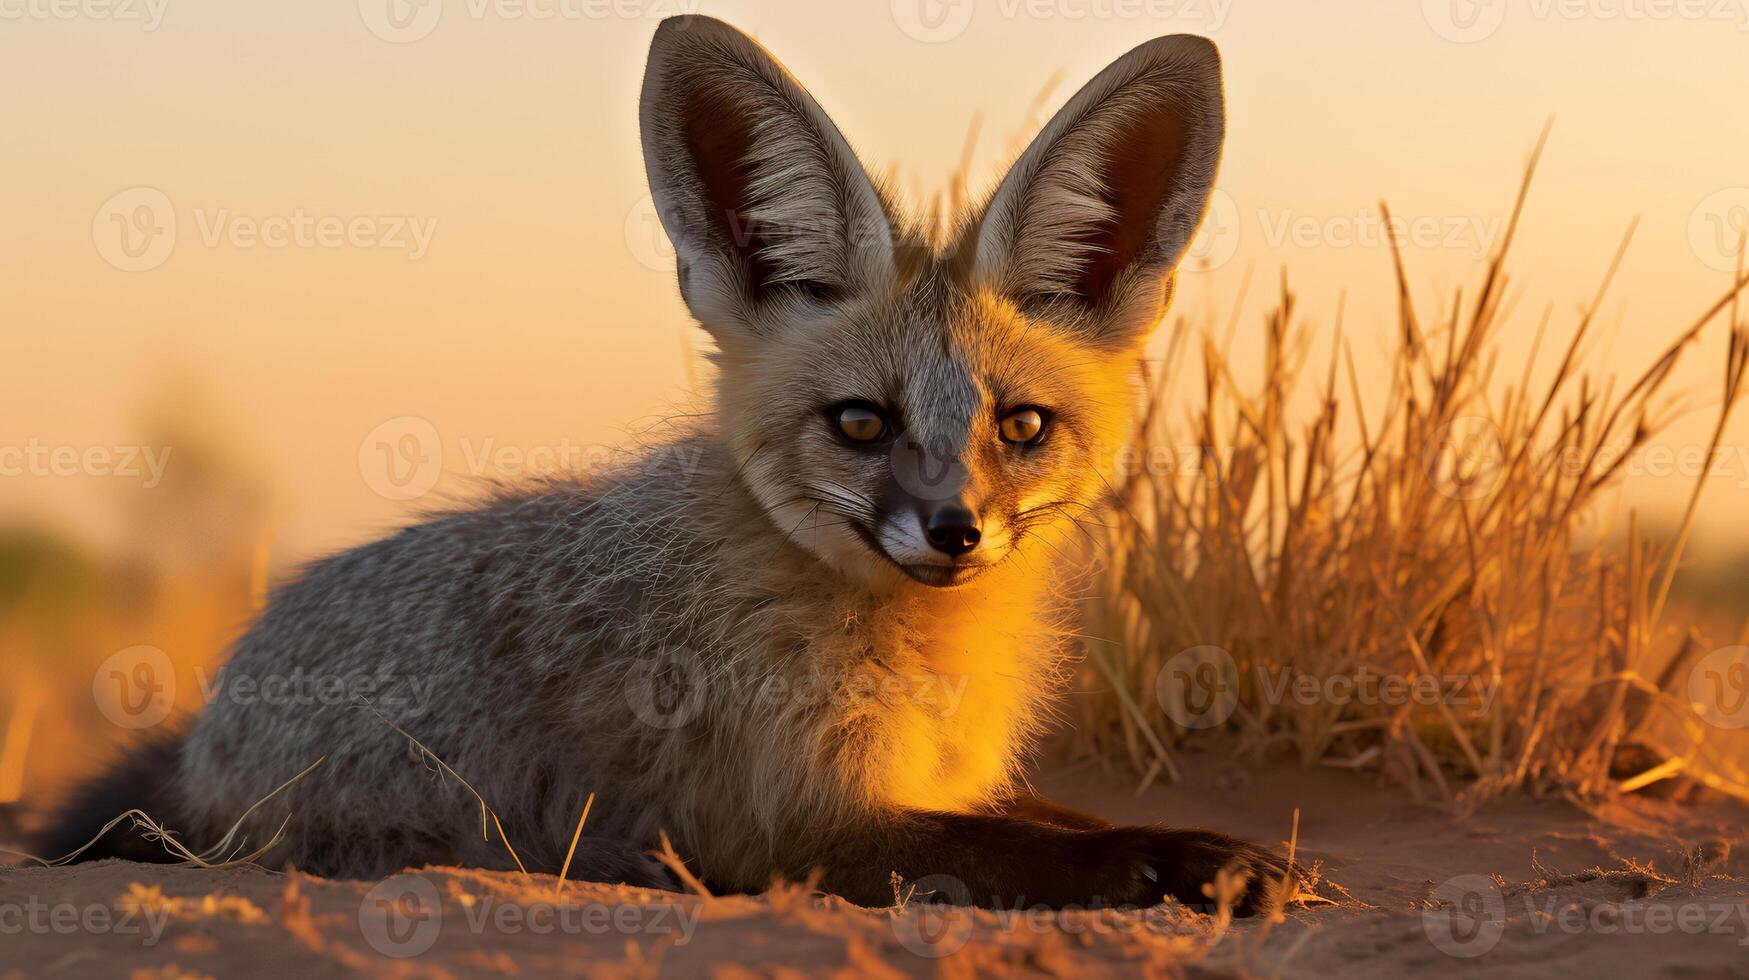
(1040, 810)
(1004, 861)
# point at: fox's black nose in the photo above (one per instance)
(952, 530)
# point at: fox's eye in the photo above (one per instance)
(859, 423)
(1023, 426)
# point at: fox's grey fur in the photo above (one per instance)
(752, 638)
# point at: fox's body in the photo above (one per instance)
(817, 632)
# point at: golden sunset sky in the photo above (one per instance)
(433, 217)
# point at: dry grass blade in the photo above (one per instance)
(570, 852)
(226, 853)
(485, 810)
(674, 863)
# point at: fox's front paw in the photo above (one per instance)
(1140, 865)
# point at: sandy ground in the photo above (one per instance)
(1522, 888)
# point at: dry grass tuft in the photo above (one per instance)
(1448, 543)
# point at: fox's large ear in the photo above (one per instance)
(762, 197)
(1096, 213)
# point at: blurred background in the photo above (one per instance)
(276, 276)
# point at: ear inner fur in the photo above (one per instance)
(1137, 175)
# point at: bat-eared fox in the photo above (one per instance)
(817, 632)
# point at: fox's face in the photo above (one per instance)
(931, 431)
(911, 410)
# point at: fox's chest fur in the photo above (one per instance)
(940, 695)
